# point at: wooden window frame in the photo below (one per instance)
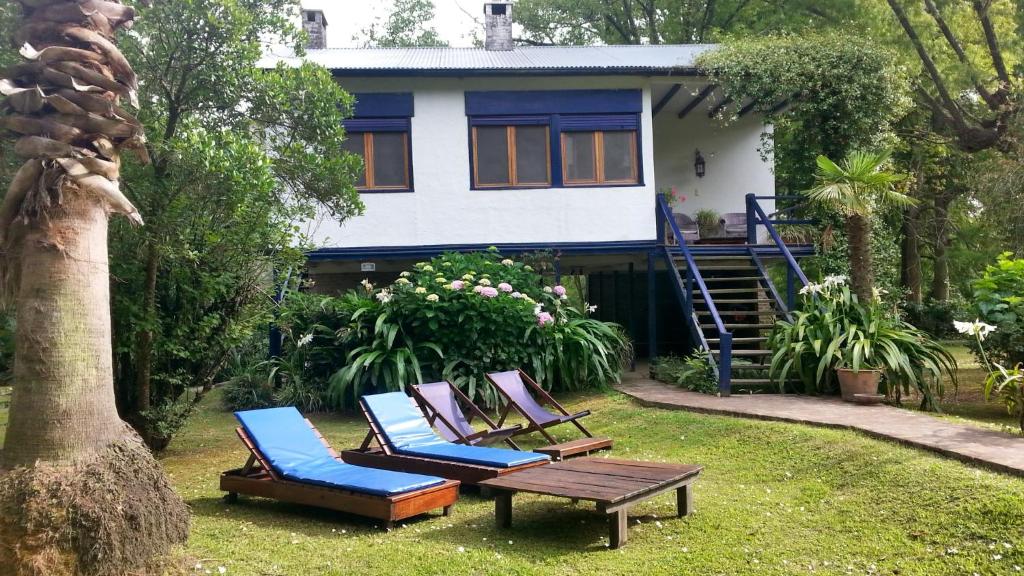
(513, 176)
(599, 176)
(368, 163)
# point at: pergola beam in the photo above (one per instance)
(664, 99)
(718, 107)
(704, 93)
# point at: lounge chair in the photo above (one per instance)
(513, 386)
(290, 461)
(408, 443)
(735, 224)
(687, 226)
(443, 403)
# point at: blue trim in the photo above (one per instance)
(383, 105)
(686, 71)
(665, 99)
(376, 124)
(542, 120)
(591, 122)
(506, 102)
(398, 252)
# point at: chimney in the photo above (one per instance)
(315, 25)
(498, 25)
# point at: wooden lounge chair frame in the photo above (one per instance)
(491, 434)
(258, 478)
(556, 450)
(386, 458)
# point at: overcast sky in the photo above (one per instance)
(453, 19)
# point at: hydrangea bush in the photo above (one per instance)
(456, 317)
(999, 301)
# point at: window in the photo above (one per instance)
(385, 159)
(599, 157)
(511, 156)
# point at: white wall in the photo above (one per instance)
(734, 166)
(445, 210)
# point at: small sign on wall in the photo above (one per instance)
(367, 267)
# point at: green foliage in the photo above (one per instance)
(1008, 384)
(405, 26)
(240, 154)
(835, 330)
(164, 420)
(6, 347)
(999, 300)
(455, 317)
(935, 317)
(845, 93)
(693, 372)
(248, 391)
(857, 185)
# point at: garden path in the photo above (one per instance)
(998, 450)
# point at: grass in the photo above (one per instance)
(968, 402)
(775, 498)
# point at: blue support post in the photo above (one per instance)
(688, 302)
(751, 220)
(652, 313)
(790, 288)
(725, 363)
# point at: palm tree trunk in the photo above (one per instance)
(862, 278)
(62, 409)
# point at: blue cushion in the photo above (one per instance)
(408, 432)
(292, 449)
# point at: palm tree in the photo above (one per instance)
(855, 188)
(79, 492)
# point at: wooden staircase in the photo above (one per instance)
(748, 312)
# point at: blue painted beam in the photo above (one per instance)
(704, 93)
(664, 99)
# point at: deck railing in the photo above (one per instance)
(684, 290)
(756, 216)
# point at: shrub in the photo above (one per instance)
(454, 317)
(693, 372)
(248, 391)
(999, 300)
(833, 329)
(935, 317)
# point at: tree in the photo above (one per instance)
(968, 84)
(81, 493)
(560, 22)
(406, 25)
(239, 155)
(854, 188)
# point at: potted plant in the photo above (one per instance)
(833, 332)
(709, 222)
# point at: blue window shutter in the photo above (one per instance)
(587, 122)
(526, 102)
(376, 124)
(383, 105)
(510, 120)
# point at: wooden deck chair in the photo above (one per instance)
(290, 461)
(405, 441)
(512, 385)
(443, 403)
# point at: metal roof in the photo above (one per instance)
(526, 60)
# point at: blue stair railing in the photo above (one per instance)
(756, 216)
(684, 291)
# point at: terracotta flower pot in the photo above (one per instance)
(862, 382)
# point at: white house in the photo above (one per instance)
(538, 148)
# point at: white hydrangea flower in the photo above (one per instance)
(420, 290)
(405, 274)
(484, 282)
(508, 262)
(432, 298)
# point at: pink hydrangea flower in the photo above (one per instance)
(544, 318)
(559, 290)
(458, 284)
(505, 287)
(488, 291)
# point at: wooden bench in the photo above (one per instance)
(614, 485)
(575, 447)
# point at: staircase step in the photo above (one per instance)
(713, 257)
(732, 279)
(740, 326)
(739, 313)
(733, 300)
(732, 290)
(751, 381)
(722, 268)
(747, 352)
(748, 339)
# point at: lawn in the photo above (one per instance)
(775, 499)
